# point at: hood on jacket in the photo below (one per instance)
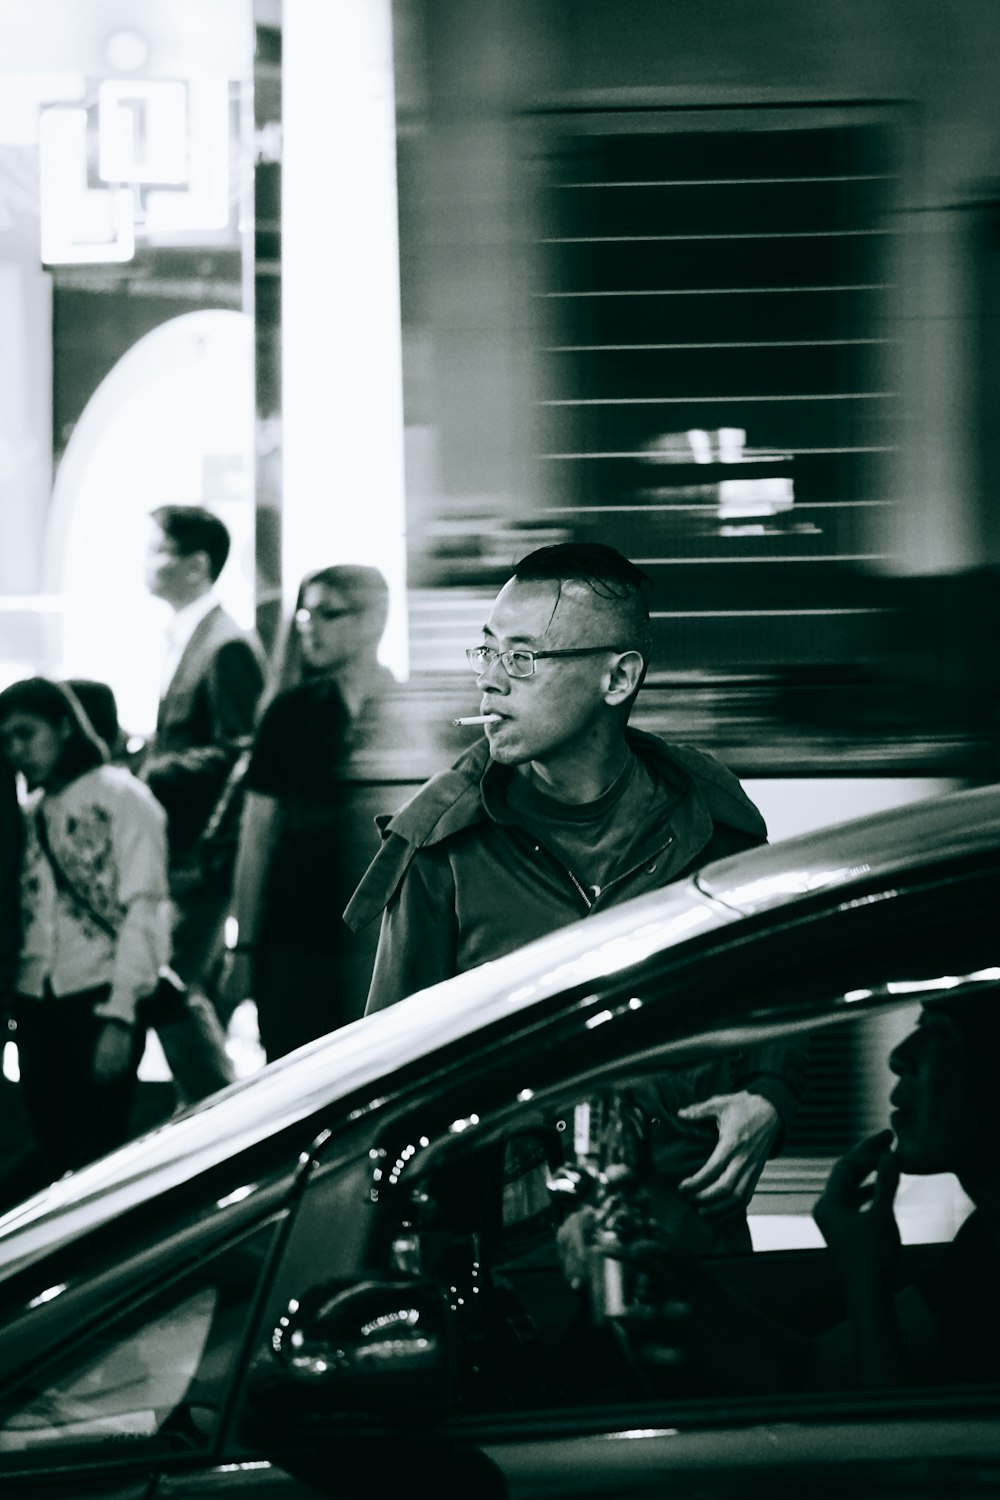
(451, 802)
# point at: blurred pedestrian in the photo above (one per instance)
(98, 701)
(11, 843)
(95, 920)
(303, 838)
(211, 683)
(21, 1169)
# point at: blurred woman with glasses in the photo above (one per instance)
(299, 848)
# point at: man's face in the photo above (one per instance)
(938, 1112)
(557, 709)
(171, 575)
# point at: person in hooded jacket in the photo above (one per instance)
(561, 811)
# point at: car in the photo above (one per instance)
(341, 1277)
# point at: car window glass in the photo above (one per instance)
(488, 1222)
(157, 1373)
(457, 1190)
(126, 1390)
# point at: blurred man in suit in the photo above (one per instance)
(212, 679)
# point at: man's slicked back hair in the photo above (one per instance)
(192, 528)
(607, 573)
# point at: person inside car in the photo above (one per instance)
(941, 1325)
(946, 1325)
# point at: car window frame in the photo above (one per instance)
(89, 1457)
(416, 1110)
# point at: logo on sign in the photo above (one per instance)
(150, 159)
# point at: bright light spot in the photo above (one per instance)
(852, 995)
(791, 883)
(11, 1063)
(126, 51)
(525, 1095)
(732, 441)
(920, 986)
(237, 1196)
(635, 1004)
(48, 1295)
(598, 1020)
(645, 1432)
(739, 498)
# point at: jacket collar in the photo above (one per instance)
(461, 797)
(453, 801)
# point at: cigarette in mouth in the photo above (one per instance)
(478, 719)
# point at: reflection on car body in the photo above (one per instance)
(318, 1282)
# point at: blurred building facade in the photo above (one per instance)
(719, 283)
(425, 284)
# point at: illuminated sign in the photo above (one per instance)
(149, 159)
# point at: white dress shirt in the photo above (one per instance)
(179, 632)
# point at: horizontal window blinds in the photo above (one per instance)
(716, 381)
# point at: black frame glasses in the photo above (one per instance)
(520, 662)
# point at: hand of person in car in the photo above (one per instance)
(855, 1212)
(748, 1124)
(113, 1052)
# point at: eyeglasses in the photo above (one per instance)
(518, 663)
(321, 612)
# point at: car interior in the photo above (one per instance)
(419, 1279)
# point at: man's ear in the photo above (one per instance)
(200, 565)
(623, 678)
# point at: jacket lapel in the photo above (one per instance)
(188, 670)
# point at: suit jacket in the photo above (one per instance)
(206, 717)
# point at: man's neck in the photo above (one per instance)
(177, 605)
(578, 777)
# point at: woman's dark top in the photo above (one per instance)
(299, 756)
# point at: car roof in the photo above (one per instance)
(362, 1055)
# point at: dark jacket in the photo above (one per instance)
(459, 884)
(477, 885)
(205, 718)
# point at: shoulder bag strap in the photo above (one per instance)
(63, 881)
